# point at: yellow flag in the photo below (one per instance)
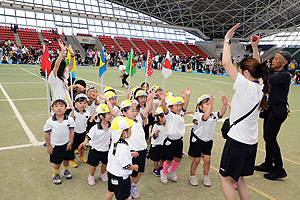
(68, 60)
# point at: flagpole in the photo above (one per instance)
(164, 83)
(47, 86)
(102, 83)
(130, 69)
(146, 70)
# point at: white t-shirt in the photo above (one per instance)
(247, 95)
(99, 138)
(122, 160)
(122, 68)
(59, 87)
(81, 121)
(91, 108)
(154, 102)
(60, 131)
(205, 130)
(175, 125)
(137, 141)
(14, 49)
(161, 135)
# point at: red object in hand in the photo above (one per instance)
(254, 38)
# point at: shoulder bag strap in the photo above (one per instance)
(246, 115)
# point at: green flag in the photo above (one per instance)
(131, 64)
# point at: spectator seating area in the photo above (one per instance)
(126, 44)
(47, 34)
(157, 46)
(108, 42)
(142, 45)
(172, 48)
(83, 34)
(6, 34)
(184, 49)
(29, 37)
(196, 50)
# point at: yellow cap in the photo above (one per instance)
(102, 108)
(119, 124)
(110, 94)
(174, 100)
(128, 103)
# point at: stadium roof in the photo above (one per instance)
(214, 17)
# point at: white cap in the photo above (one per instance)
(205, 96)
(58, 98)
(118, 125)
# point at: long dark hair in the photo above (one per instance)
(258, 70)
(61, 69)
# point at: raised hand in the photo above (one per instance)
(224, 100)
(71, 52)
(152, 93)
(231, 32)
(62, 45)
(211, 100)
(188, 91)
(256, 42)
(102, 96)
(163, 96)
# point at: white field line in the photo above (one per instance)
(24, 99)
(31, 73)
(14, 74)
(22, 122)
(21, 83)
(21, 146)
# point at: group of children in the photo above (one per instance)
(118, 134)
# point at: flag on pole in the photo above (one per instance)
(46, 64)
(131, 64)
(148, 68)
(167, 70)
(68, 60)
(102, 66)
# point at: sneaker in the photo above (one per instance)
(156, 172)
(67, 174)
(173, 175)
(56, 179)
(263, 168)
(76, 151)
(163, 178)
(103, 177)
(91, 180)
(206, 180)
(193, 180)
(82, 160)
(234, 184)
(127, 87)
(134, 193)
(160, 168)
(122, 86)
(275, 174)
(73, 164)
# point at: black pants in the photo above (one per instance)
(273, 119)
(125, 76)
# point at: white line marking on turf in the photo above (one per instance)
(22, 122)
(21, 83)
(21, 146)
(24, 99)
(31, 73)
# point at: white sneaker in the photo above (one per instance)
(122, 86)
(193, 180)
(163, 178)
(127, 87)
(173, 175)
(206, 180)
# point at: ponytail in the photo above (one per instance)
(266, 81)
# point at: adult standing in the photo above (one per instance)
(251, 85)
(124, 75)
(275, 115)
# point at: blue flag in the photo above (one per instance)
(102, 66)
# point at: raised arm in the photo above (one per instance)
(255, 47)
(187, 97)
(151, 96)
(70, 66)
(227, 63)
(163, 103)
(224, 107)
(59, 59)
(111, 109)
(209, 109)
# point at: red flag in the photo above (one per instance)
(46, 64)
(149, 71)
(167, 70)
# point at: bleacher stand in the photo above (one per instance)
(84, 34)
(29, 37)
(142, 45)
(197, 50)
(7, 34)
(126, 44)
(48, 34)
(156, 46)
(172, 48)
(109, 42)
(184, 49)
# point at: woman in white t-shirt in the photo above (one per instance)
(59, 74)
(251, 85)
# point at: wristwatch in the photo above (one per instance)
(227, 41)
